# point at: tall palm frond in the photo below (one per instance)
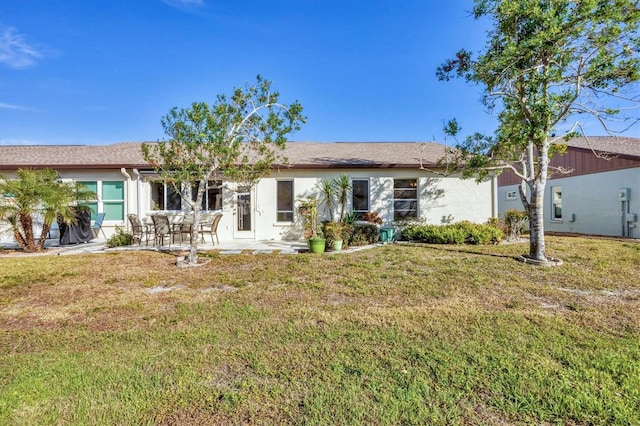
(38, 195)
(343, 188)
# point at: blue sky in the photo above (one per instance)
(106, 71)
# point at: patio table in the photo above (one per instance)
(180, 223)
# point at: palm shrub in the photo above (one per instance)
(36, 195)
(342, 188)
(328, 196)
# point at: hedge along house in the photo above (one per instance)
(599, 193)
(399, 181)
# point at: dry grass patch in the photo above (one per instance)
(415, 334)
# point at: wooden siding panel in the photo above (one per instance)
(582, 162)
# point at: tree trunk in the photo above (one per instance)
(196, 208)
(43, 236)
(536, 223)
(20, 239)
(537, 249)
(26, 241)
(195, 228)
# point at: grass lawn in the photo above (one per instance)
(399, 334)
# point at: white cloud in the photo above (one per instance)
(15, 107)
(15, 51)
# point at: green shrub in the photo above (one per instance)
(480, 234)
(456, 233)
(443, 234)
(347, 232)
(496, 222)
(363, 234)
(120, 238)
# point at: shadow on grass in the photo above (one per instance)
(464, 249)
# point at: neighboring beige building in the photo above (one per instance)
(600, 195)
(396, 180)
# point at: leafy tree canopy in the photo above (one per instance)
(238, 138)
(546, 63)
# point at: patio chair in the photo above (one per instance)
(96, 228)
(211, 226)
(185, 227)
(139, 230)
(161, 229)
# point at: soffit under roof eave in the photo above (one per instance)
(311, 166)
(305, 166)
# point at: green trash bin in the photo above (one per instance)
(387, 234)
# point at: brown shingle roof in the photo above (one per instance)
(300, 155)
(363, 154)
(72, 156)
(626, 146)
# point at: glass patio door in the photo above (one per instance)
(244, 218)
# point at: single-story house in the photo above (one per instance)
(598, 194)
(396, 180)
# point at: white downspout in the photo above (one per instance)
(126, 198)
(138, 192)
(494, 196)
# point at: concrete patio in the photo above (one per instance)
(98, 245)
(225, 247)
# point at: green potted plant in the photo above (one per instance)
(309, 211)
(333, 232)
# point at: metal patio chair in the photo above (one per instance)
(161, 228)
(139, 230)
(96, 228)
(211, 226)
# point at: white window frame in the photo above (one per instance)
(353, 204)
(100, 200)
(278, 211)
(211, 184)
(165, 194)
(511, 195)
(556, 202)
(416, 200)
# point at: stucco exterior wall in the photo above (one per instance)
(450, 199)
(109, 225)
(440, 199)
(590, 203)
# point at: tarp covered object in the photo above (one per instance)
(78, 231)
